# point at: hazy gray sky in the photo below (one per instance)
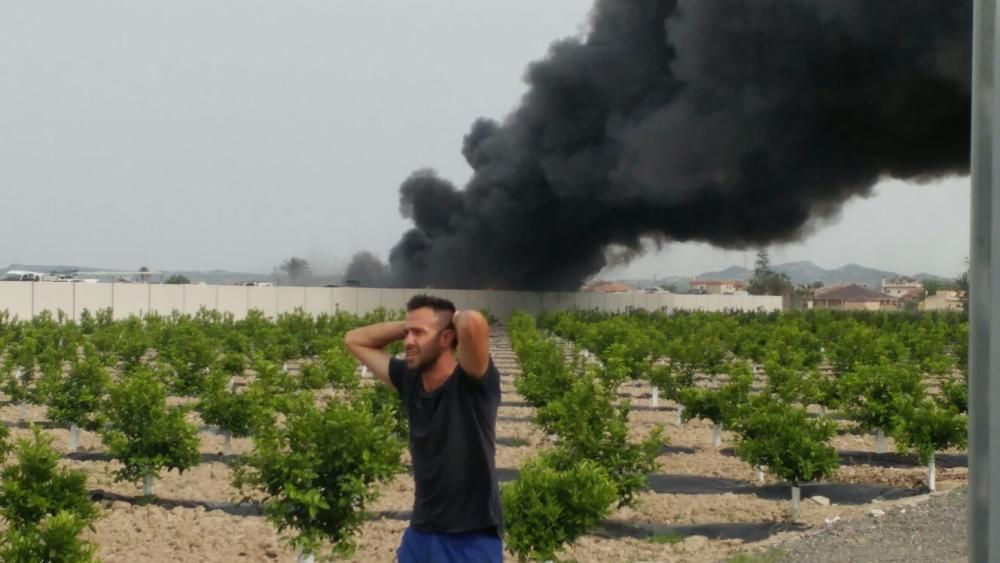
(902, 227)
(198, 135)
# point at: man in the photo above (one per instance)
(450, 390)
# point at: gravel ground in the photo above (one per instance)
(932, 530)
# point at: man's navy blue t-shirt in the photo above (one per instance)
(453, 447)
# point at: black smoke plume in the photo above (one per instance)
(367, 270)
(733, 122)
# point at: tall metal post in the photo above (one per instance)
(984, 282)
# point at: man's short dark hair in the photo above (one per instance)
(438, 304)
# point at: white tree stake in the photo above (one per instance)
(148, 483)
(74, 438)
(227, 446)
(796, 504)
(879, 441)
(716, 435)
(932, 475)
(23, 410)
(760, 474)
(680, 415)
(306, 558)
(656, 397)
(284, 367)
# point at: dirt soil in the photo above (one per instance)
(931, 530)
(704, 504)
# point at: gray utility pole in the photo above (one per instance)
(984, 283)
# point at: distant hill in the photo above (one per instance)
(922, 276)
(804, 272)
(854, 273)
(731, 273)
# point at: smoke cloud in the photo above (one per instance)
(733, 122)
(367, 270)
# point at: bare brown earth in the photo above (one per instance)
(704, 504)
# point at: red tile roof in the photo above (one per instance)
(609, 287)
(851, 292)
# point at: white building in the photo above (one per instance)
(944, 300)
(719, 287)
(898, 287)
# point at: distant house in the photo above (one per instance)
(718, 287)
(608, 287)
(912, 299)
(944, 300)
(852, 297)
(898, 287)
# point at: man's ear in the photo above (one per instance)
(450, 329)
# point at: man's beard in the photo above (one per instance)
(424, 362)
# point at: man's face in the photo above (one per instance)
(427, 337)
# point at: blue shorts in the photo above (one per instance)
(472, 547)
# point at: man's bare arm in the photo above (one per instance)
(473, 342)
(366, 344)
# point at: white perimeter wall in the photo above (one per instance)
(26, 299)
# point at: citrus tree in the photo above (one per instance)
(930, 426)
(317, 470)
(591, 427)
(45, 506)
(544, 373)
(55, 538)
(234, 412)
(19, 376)
(783, 438)
(143, 433)
(76, 399)
(546, 508)
(876, 396)
(718, 405)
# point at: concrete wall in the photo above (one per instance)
(139, 299)
(26, 299)
(18, 298)
(318, 300)
(198, 296)
(233, 299)
(264, 299)
(290, 298)
(88, 297)
(53, 297)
